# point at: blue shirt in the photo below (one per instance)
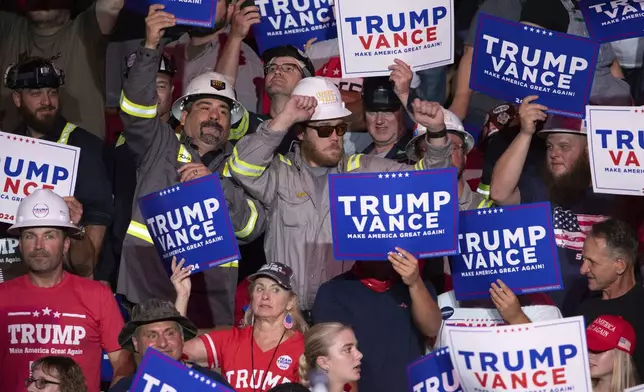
(383, 324)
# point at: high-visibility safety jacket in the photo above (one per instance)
(159, 153)
(298, 231)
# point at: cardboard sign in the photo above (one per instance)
(616, 149)
(515, 244)
(371, 213)
(200, 13)
(609, 21)
(191, 221)
(419, 32)
(28, 164)
(293, 22)
(160, 373)
(512, 60)
(550, 356)
(433, 373)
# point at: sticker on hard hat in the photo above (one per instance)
(501, 108)
(218, 85)
(40, 211)
(326, 97)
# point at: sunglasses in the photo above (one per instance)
(325, 131)
(41, 383)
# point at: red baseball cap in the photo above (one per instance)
(608, 332)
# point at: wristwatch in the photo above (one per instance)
(436, 135)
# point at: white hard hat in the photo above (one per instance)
(330, 105)
(43, 208)
(452, 124)
(214, 85)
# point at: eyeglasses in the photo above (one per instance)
(41, 383)
(286, 68)
(325, 131)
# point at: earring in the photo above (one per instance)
(288, 321)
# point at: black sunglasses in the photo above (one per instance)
(41, 383)
(325, 131)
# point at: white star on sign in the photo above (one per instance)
(500, 209)
(544, 32)
(177, 188)
(531, 29)
(386, 175)
(525, 28)
(202, 379)
(379, 175)
(478, 212)
(406, 174)
(36, 313)
(393, 175)
(207, 382)
(46, 311)
(190, 373)
(537, 31)
(56, 314)
(160, 194)
(400, 175)
(550, 34)
(336, 72)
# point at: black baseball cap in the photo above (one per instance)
(378, 95)
(289, 51)
(280, 273)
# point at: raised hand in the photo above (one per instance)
(429, 114)
(243, 19)
(530, 113)
(155, 24)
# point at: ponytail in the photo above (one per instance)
(304, 371)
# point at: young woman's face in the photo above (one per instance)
(344, 357)
(601, 364)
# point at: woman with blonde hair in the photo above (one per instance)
(611, 344)
(56, 374)
(333, 349)
(263, 352)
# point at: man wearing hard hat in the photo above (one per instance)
(69, 315)
(206, 111)
(294, 187)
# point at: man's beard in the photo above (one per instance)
(43, 125)
(568, 188)
(310, 152)
(208, 138)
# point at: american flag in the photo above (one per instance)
(571, 229)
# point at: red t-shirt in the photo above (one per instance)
(76, 318)
(230, 350)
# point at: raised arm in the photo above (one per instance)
(242, 20)
(250, 164)
(504, 185)
(139, 97)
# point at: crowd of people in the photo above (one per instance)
(80, 276)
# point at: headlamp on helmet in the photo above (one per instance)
(33, 73)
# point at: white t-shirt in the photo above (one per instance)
(481, 317)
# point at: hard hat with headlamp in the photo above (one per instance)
(33, 73)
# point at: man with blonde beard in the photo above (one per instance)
(294, 188)
(565, 182)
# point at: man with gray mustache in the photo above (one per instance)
(163, 158)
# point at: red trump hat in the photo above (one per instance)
(608, 332)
